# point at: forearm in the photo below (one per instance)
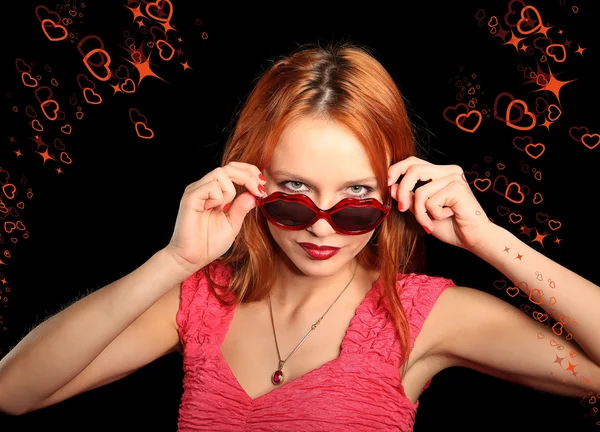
(571, 300)
(58, 349)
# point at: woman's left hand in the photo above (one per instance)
(445, 206)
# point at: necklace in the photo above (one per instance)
(277, 377)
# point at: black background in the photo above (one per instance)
(115, 205)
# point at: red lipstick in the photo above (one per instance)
(319, 252)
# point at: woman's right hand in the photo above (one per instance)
(203, 230)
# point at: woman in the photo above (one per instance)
(292, 290)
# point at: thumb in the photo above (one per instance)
(240, 207)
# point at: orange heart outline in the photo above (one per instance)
(93, 93)
(56, 108)
(486, 181)
(105, 65)
(54, 25)
(525, 112)
(27, 75)
(537, 198)
(507, 193)
(590, 146)
(553, 56)
(141, 126)
(528, 146)
(159, 44)
(554, 224)
(157, 4)
(515, 218)
(512, 290)
(464, 116)
(525, 19)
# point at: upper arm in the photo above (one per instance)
(152, 335)
(480, 331)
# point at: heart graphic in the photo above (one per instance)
(514, 194)
(153, 9)
(30, 111)
(502, 211)
(451, 112)
(515, 218)
(561, 57)
(527, 20)
(161, 45)
(535, 150)
(526, 112)
(513, 291)
(59, 32)
(501, 99)
(143, 131)
(554, 224)
(536, 296)
(462, 117)
(521, 142)
(485, 184)
(469, 176)
(500, 166)
(66, 129)
(58, 144)
(512, 12)
(36, 125)
(64, 157)
(552, 300)
(541, 80)
(500, 284)
(554, 112)
(91, 96)
(50, 109)
(500, 184)
(128, 86)
(105, 65)
(22, 66)
(557, 329)
(541, 217)
(537, 198)
(28, 80)
(540, 336)
(541, 105)
(537, 175)
(83, 81)
(135, 116)
(591, 141)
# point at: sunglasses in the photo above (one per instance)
(350, 216)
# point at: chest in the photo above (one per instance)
(250, 350)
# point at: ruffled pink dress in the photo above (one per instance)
(360, 390)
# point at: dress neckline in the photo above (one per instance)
(359, 311)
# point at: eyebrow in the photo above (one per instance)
(308, 182)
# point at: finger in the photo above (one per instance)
(246, 175)
(417, 176)
(399, 168)
(239, 209)
(423, 199)
(206, 197)
(457, 198)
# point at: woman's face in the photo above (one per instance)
(326, 162)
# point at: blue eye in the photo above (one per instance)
(283, 185)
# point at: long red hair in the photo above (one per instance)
(346, 83)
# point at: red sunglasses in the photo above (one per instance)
(350, 216)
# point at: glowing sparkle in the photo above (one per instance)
(554, 85)
(137, 13)
(580, 50)
(514, 41)
(519, 256)
(144, 70)
(572, 368)
(539, 237)
(46, 156)
(506, 249)
(558, 360)
(186, 66)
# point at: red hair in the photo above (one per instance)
(343, 82)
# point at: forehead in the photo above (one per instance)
(322, 149)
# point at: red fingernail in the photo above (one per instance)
(262, 189)
(427, 230)
(400, 206)
(262, 177)
(226, 206)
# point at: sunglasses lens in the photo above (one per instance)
(289, 213)
(356, 218)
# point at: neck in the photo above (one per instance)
(294, 291)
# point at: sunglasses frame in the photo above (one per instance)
(326, 214)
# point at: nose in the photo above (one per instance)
(322, 228)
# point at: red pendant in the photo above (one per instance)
(277, 377)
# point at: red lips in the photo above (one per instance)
(314, 246)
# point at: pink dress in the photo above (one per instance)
(359, 390)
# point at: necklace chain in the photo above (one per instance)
(312, 327)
